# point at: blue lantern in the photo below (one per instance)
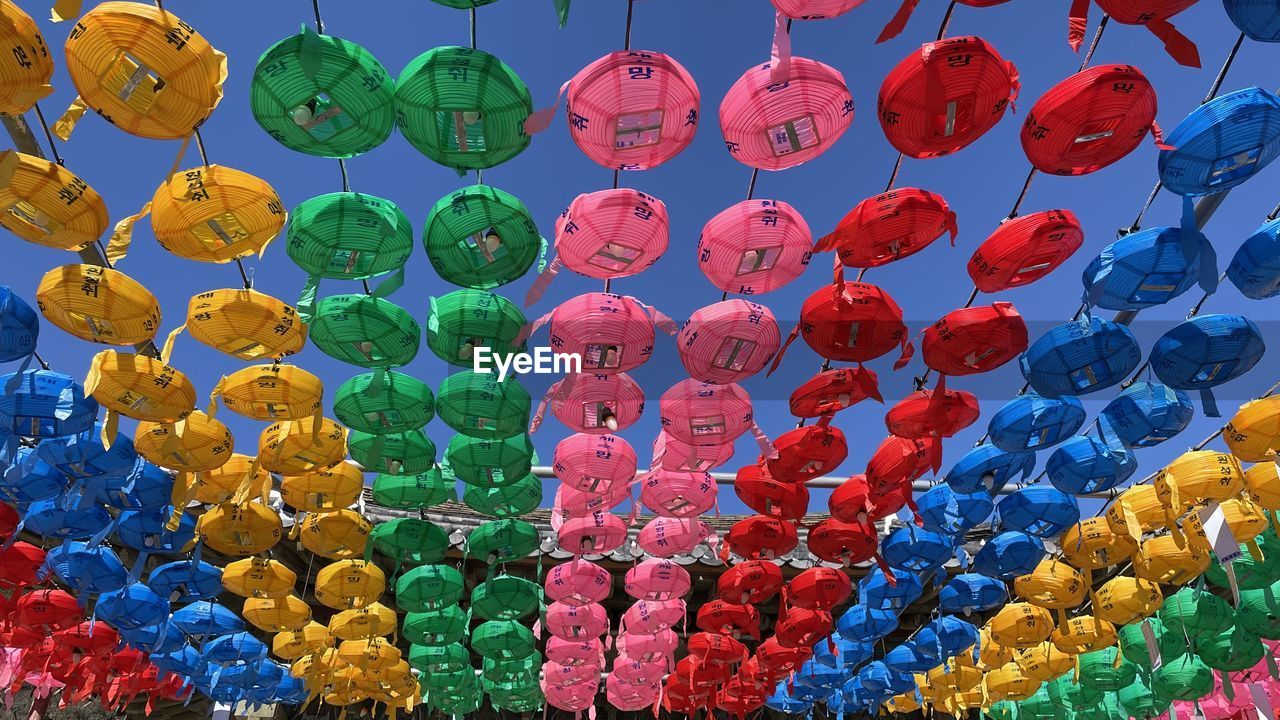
(145, 531)
(910, 658)
(161, 638)
(875, 590)
(1031, 422)
(1086, 464)
(1205, 352)
(62, 519)
(83, 455)
(1143, 269)
(185, 581)
(235, 648)
(876, 677)
(945, 511)
(1080, 357)
(987, 467)
(1255, 268)
(146, 486)
(1222, 143)
(968, 593)
(864, 623)
(30, 479)
(19, 327)
(1258, 19)
(132, 607)
(948, 636)
(1008, 555)
(204, 619)
(87, 569)
(848, 653)
(911, 548)
(44, 404)
(183, 661)
(1040, 510)
(1146, 414)
(783, 702)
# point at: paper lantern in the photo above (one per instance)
(988, 467)
(512, 500)
(481, 237)
(139, 387)
(258, 577)
(594, 403)
(240, 529)
(831, 391)
(1206, 351)
(1080, 357)
(594, 463)
(480, 405)
(464, 321)
(1221, 143)
(27, 80)
(946, 95)
(349, 584)
(337, 535)
(1196, 476)
(487, 463)
(292, 645)
(667, 537)
(1021, 626)
(678, 494)
(186, 581)
(325, 490)
(807, 453)
(1263, 486)
(1009, 554)
(270, 392)
(222, 483)
(42, 403)
(945, 511)
(890, 226)
(215, 214)
(19, 326)
(463, 108)
(365, 330)
(98, 304)
(1031, 422)
(1092, 544)
(1255, 18)
(506, 597)
(754, 247)
(777, 118)
(83, 569)
(47, 204)
(1146, 414)
(1255, 267)
(1025, 249)
(1142, 270)
(244, 323)
(384, 403)
(144, 70)
(1085, 464)
(819, 588)
(759, 537)
(410, 539)
(611, 333)
(1161, 560)
(1039, 510)
(197, 443)
(1104, 670)
(700, 414)
(435, 627)
(728, 341)
(289, 613)
(974, 339)
(853, 322)
(968, 593)
(297, 447)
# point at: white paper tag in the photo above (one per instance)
(1235, 587)
(1261, 701)
(1153, 650)
(1225, 546)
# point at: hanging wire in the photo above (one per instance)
(204, 160)
(53, 146)
(946, 19)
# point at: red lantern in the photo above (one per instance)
(819, 588)
(1025, 249)
(19, 637)
(52, 609)
(842, 542)
(925, 413)
(808, 452)
(890, 226)
(898, 462)
(975, 339)
(1090, 120)
(1154, 14)
(781, 661)
(751, 582)
(724, 618)
(679, 697)
(802, 627)
(19, 564)
(945, 95)
(831, 391)
(738, 699)
(761, 538)
(850, 322)
(89, 638)
(767, 496)
(849, 501)
(8, 521)
(711, 648)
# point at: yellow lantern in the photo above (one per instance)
(25, 79)
(98, 304)
(1123, 600)
(957, 678)
(285, 614)
(240, 529)
(337, 535)
(1245, 518)
(243, 323)
(904, 703)
(270, 392)
(1007, 682)
(1197, 476)
(1020, 625)
(197, 443)
(293, 644)
(1253, 435)
(1053, 584)
(258, 577)
(348, 584)
(138, 387)
(325, 490)
(144, 70)
(991, 654)
(1262, 484)
(216, 214)
(1043, 661)
(1092, 545)
(45, 203)
(222, 483)
(1135, 511)
(1083, 634)
(1160, 559)
(374, 654)
(297, 447)
(372, 620)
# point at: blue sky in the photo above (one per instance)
(716, 40)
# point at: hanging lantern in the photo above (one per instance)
(767, 496)
(754, 247)
(19, 325)
(384, 403)
(942, 510)
(43, 404)
(287, 614)
(989, 468)
(139, 387)
(1092, 544)
(428, 587)
(1031, 422)
(410, 539)
(270, 392)
(815, 9)
(1143, 269)
(518, 498)
(365, 330)
(326, 490)
(481, 237)
(464, 321)
(890, 226)
(974, 340)
(910, 548)
(1255, 268)
(487, 463)
(406, 453)
(46, 204)
(337, 535)
(610, 333)
(215, 214)
(481, 405)
(968, 593)
(728, 341)
(699, 413)
(762, 538)
(1255, 19)
(1146, 414)
(594, 463)
(775, 118)
(1080, 357)
(144, 70)
(348, 584)
(27, 80)
(1025, 249)
(1154, 14)
(1206, 351)
(297, 447)
(259, 577)
(1059, 138)
(98, 304)
(593, 403)
(322, 95)
(1161, 560)
(412, 491)
(807, 453)
(294, 644)
(946, 95)
(1208, 160)
(240, 529)
(197, 443)
(1262, 486)
(1009, 554)
(854, 322)
(245, 324)
(1198, 476)
(667, 537)
(1021, 626)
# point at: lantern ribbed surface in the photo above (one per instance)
(25, 81)
(215, 214)
(481, 405)
(409, 452)
(43, 403)
(245, 323)
(594, 463)
(590, 403)
(1207, 351)
(1253, 435)
(1085, 464)
(365, 330)
(270, 392)
(490, 463)
(815, 9)
(481, 237)
(1147, 413)
(297, 447)
(463, 108)
(854, 323)
(1255, 268)
(140, 387)
(701, 414)
(611, 333)
(195, 444)
(754, 247)
(383, 403)
(47, 204)
(1255, 18)
(773, 126)
(348, 584)
(512, 500)
(1222, 143)
(1031, 422)
(1025, 249)
(322, 95)
(612, 233)
(1080, 357)
(338, 535)
(1141, 270)
(98, 304)
(465, 320)
(889, 227)
(19, 326)
(181, 73)
(728, 341)
(412, 491)
(260, 577)
(974, 339)
(945, 95)
(323, 490)
(238, 530)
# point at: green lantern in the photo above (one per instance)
(439, 659)
(516, 499)
(1183, 678)
(407, 453)
(511, 674)
(1235, 649)
(1195, 612)
(481, 237)
(465, 320)
(1141, 701)
(490, 463)
(503, 540)
(322, 95)
(1002, 710)
(348, 236)
(1134, 647)
(463, 108)
(384, 402)
(1259, 611)
(413, 492)
(1257, 567)
(503, 640)
(409, 540)
(1064, 691)
(482, 406)
(505, 597)
(447, 682)
(364, 330)
(1040, 707)
(445, 626)
(1106, 709)
(429, 587)
(1100, 670)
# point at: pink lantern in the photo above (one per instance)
(754, 246)
(632, 672)
(650, 616)
(571, 502)
(774, 124)
(565, 676)
(575, 622)
(678, 494)
(666, 537)
(657, 579)
(672, 454)
(611, 333)
(650, 647)
(570, 698)
(593, 404)
(606, 234)
(596, 534)
(630, 698)
(594, 463)
(629, 110)
(815, 9)
(578, 582)
(728, 341)
(704, 414)
(575, 652)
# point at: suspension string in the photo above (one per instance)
(626, 45)
(245, 277)
(53, 146)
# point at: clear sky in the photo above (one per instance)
(716, 40)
